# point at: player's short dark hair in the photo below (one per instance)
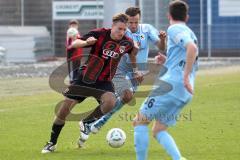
(178, 9)
(133, 11)
(73, 21)
(120, 17)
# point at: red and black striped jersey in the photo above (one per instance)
(72, 53)
(104, 55)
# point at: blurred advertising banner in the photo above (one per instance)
(82, 10)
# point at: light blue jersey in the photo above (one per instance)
(179, 35)
(166, 107)
(146, 33)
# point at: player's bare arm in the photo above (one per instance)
(161, 58)
(133, 55)
(191, 58)
(137, 75)
(81, 43)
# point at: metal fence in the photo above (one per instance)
(215, 22)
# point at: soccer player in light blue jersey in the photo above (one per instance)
(126, 79)
(181, 62)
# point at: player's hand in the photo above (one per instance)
(91, 40)
(135, 45)
(187, 85)
(138, 76)
(162, 35)
(160, 58)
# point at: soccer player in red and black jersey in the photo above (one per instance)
(73, 55)
(107, 48)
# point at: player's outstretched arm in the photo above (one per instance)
(78, 43)
(162, 42)
(190, 59)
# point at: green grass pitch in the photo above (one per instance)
(208, 130)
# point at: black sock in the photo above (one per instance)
(56, 129)
(96, 114)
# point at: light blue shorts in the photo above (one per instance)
(122, 82)
(165, 109)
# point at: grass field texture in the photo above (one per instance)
(209, 129)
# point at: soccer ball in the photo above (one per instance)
(72, 32)
(116, 137)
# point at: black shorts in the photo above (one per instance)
(80, 90)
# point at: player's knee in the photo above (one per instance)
(135, 123)
(109, 101)
(155, 132)
(127, 96)
(158, 128)
(140, 120)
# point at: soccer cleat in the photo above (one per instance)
(84, 133)
(49, 147)
(97, 125)
(94, 129)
